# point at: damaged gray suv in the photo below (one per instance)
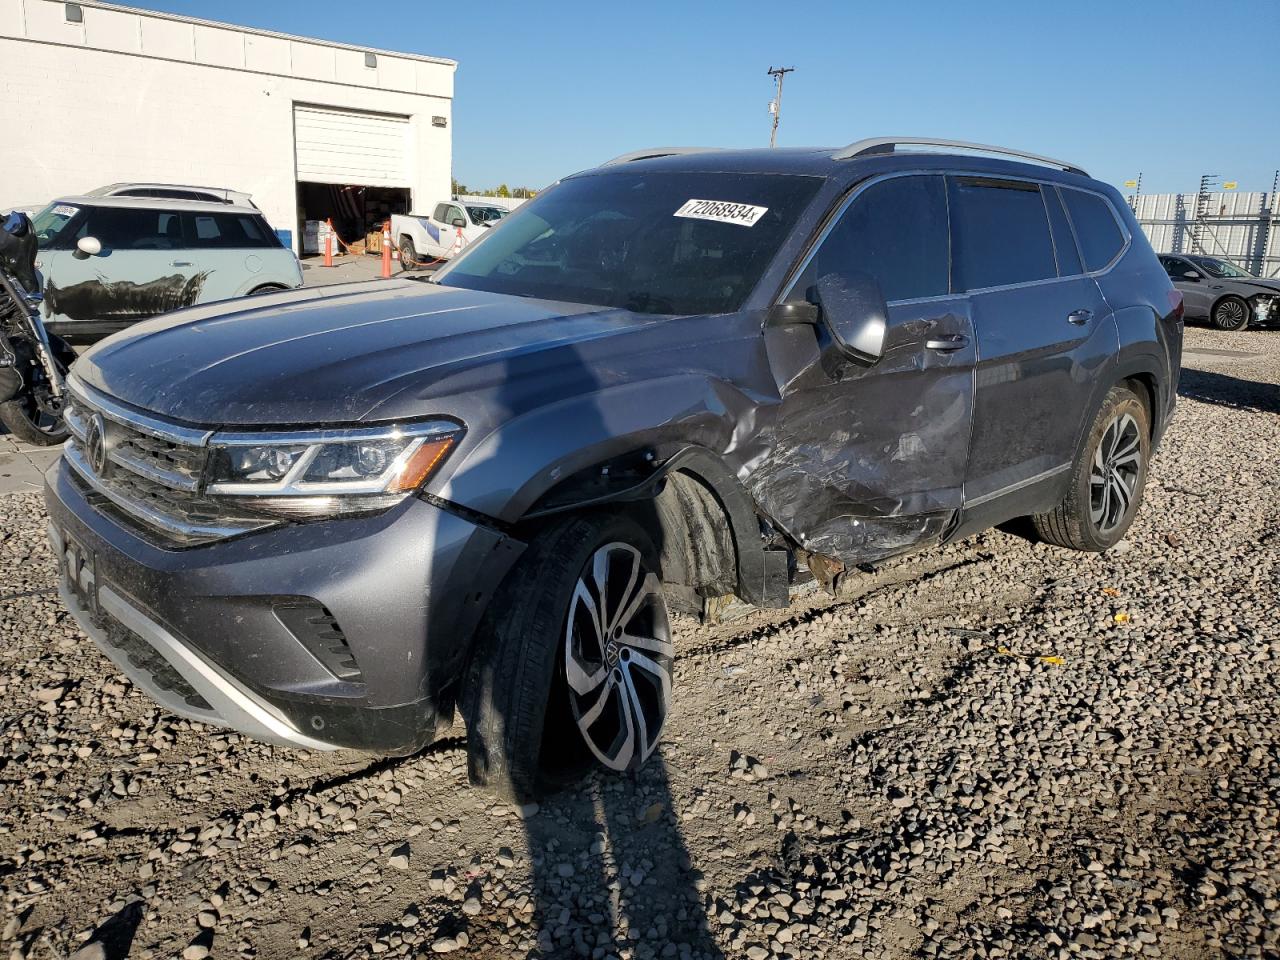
(330, 518)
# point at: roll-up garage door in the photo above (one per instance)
(347, 146)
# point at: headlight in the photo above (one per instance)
(320, 473)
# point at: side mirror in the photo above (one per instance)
(1191, 275)
(459, 222)
(854, 311)
(89, 246)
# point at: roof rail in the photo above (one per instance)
(877, 145)
(654, 152)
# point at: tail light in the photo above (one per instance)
(1175, 306)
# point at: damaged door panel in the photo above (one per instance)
(868, 455)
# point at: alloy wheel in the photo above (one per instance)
(1113, 481)
(1230, 314)
(618, 656)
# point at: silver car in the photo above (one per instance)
(1219, 291)
(109, 262)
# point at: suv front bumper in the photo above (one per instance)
(202, 632)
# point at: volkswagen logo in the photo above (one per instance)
(95, 444)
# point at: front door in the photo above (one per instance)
(868, 461)
(142, 270)
(1196, 296)
(1044, 331)
(452, 238)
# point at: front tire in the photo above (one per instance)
(572, 666)
(1107, 479)
(1231, 313)
(24, 419)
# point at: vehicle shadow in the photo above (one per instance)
(1223, 390)
(610, 871)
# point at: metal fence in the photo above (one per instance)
(1241, 227)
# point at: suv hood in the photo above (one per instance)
(358, 352)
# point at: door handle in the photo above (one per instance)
(1079, 317)
(180, 263)
(948, 342)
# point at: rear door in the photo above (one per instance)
(869, 460)
(141, 271)
(1044, 331)
(228, 252)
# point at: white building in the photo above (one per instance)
(94, 93)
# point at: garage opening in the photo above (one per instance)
(352, 167)
(358, 212)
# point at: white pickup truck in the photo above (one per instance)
(452, 225)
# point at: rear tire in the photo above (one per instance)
(1231, 313)
(1107, 479)
(546, 696)
(408, 254)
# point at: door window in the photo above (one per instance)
(122, 228)
(1000, 233)
(895, 231)
(1096, 227)
(441, 214)
(1175, 268)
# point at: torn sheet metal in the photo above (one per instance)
(861, 462)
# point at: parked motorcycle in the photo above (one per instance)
(33, 363)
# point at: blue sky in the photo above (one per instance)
(544, 89)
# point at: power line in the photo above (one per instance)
(776, 107)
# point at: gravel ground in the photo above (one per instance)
(994, 749)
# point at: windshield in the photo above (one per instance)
(485, 214)
(1221, 268)
(48, 223)
(648, 242)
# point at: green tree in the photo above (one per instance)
(503, 190)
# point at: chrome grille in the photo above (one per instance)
(153, 470)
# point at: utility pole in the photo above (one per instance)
(776, 107)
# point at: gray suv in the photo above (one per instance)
(329, 518)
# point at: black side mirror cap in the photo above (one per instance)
(855, 313)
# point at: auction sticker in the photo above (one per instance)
(743, 214)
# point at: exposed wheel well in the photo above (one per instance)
(702, 520)
(696, 548)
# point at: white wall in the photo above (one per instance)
(131, 95)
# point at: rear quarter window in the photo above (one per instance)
(1096, 228)
(228, 231)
